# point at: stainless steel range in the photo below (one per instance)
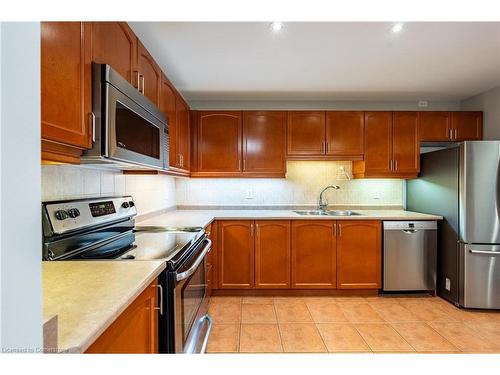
(104, 228)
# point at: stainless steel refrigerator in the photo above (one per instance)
(462, 183)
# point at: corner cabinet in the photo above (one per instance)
(135, 331)
(65, 90)
(359, 254)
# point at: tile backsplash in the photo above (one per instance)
(151, 192)
(302, 185)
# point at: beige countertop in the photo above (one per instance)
(202, 218)
(87, 296)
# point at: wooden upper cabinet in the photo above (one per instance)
(65, 90)
(358, 254)
(314, 254)
(219, 143)
(236, 254)
(378, 143)
(272, 254)
(149, 74)
(306, 133)
(467, 125)
(115, 44)
(345, 134)
(135, 331)
(167, 106)
(264, 142)
(435, 126)
(183, 133)
(405, 143)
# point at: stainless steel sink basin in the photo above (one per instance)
(327, 213)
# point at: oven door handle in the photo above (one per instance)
(197, 262)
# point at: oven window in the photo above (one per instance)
(135, 133)
(193, 292)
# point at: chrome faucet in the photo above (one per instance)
(322, 205)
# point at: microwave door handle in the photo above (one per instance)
(184, 275)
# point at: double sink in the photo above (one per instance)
(327, 213)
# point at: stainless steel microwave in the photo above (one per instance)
(129, 131)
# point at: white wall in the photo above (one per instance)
(304, 181)
(489, 103)
(20, 231)
(322, 105)
(151, 192)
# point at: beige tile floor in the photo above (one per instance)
(421, 324)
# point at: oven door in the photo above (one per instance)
(133, 134)
(192, 323)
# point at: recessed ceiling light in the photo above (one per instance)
(397, 27)
(276, 26)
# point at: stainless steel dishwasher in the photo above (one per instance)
(410, 255)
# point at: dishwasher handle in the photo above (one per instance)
(410, 231)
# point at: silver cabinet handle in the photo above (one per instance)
(197, 262)
(244, 164)
(181, 157)
(138, 78)
(327, 148)
(482, 252)
(390, 164)
(143, 84)
(92, 121)
(335, 229)
(339, 230)
(455, 136)
(161, 299)
(395, 164)
(451, 134)
(251, 230)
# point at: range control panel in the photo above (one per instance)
(66, 216)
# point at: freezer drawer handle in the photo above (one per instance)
(490, 253)
(192, 269)
(410, 231)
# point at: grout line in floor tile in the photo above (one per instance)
(362, 338)
(279, 330)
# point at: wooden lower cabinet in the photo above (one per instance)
(359, 254)
(272, 254)
(313, 255)
(236, 254)
(298, 254)
(135, 331)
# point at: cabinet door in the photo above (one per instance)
(359, 250)
(167, 106)
(150, 74)
(135, 331)
(114, 43)
(435, 126)
(306, 133)
(219, 142)
(467, 126)
(66, 83)
(182, 136)
(345, 134)
(405, 143)
(264, 142)
(236, 254)
(313, 255)
(378, 143)
(272, 254)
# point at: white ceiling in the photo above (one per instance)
(325, 61)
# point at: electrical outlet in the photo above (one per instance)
(376, 195)
(423, 103)
(447, 285)
(249, 194)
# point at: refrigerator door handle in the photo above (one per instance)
(482, 252)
